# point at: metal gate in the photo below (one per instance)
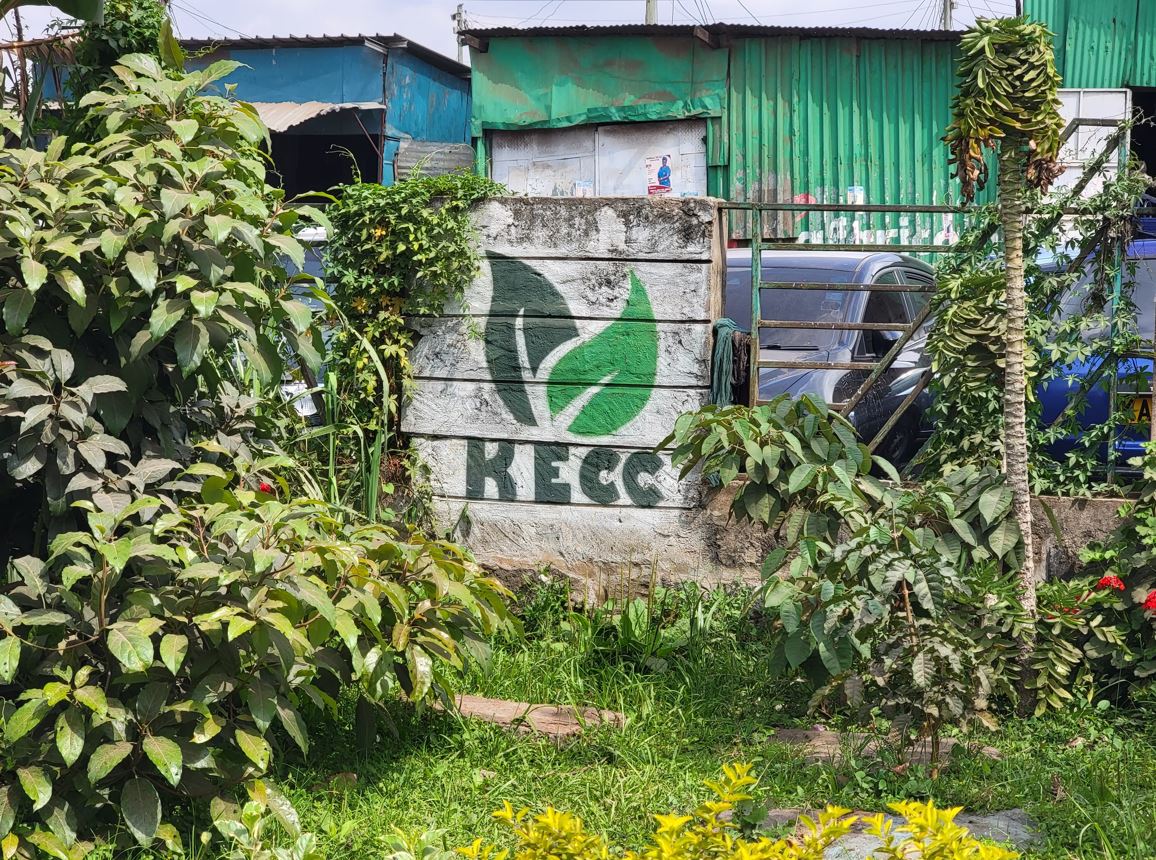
(1115, 145)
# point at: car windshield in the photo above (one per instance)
(1143, 296)
(787, 304)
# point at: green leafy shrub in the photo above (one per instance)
(928, 833)
(170, 609)
(1121, 572)
(880, 600)
(397, 252)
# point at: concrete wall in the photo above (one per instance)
(538, 409)
(539, 405)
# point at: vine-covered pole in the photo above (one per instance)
(1007, 102)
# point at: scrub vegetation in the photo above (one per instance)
(229, 633)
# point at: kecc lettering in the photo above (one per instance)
(562, 474)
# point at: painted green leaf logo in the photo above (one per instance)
(597, 386)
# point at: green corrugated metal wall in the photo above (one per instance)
(809, 119)
(792, 115)
(1101, 43)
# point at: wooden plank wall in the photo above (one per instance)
(538, 405)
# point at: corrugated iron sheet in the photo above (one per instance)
(700, 30)
(282, 116)
(1105, 43)
(432, 159)
(841, 120)
(378, 40)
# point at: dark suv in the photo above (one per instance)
(840, 306)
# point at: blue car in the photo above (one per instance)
(816, 344)
(1134, 379)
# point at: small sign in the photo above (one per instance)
(659, 174)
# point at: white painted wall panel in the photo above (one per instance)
(604, 161)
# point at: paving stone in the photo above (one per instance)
(1011, 825)
(826, 747)
(555, 721)
(854, 846)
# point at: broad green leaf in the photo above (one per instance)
(262, 701)
(798, 648)
(204, 302)
(1004, 538)
(36, 785)
(130, 646)
(71, 283)
(184, 129)
(24, 719)
(294, 725)
(921, 671)
(9, 801)
(300, 316)
(801, 476)
(254, 747)
(141, 807)
(172, 55)
(420, 666)
(174, 646)
(166, 315)
(34, 273)
(70, 735)
(92, 698)
(994, 503)
(263, 359)
(791, 615)
(192, 340)
(17, 308)
(9, 658)
(62, 821)
(166, 756)
(106, 757)
(143, 268)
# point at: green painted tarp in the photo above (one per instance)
(551, 82)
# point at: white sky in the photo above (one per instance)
(428, 21)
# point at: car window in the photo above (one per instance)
(786, 304)
(916, 302)
(887, 307)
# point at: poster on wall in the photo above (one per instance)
(658, 174)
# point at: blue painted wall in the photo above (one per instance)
(425, 102)
(351, 73)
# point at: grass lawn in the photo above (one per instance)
(1087, 776)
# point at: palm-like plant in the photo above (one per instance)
(1007, 102)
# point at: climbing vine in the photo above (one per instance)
(400, 252)
(965, 342)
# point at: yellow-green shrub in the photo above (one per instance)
(928, 833)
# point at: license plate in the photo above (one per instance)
(1141, 408)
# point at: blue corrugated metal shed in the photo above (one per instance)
(392, 92)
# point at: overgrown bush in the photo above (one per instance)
(395, 253)
(880, 600)
(927, 833)
(170, 608)
(1122, 571)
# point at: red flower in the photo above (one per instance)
(1150, 601)
(266, 487)
(1111, 581)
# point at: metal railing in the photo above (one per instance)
(1117, 142)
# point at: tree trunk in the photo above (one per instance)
(1012, 182)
